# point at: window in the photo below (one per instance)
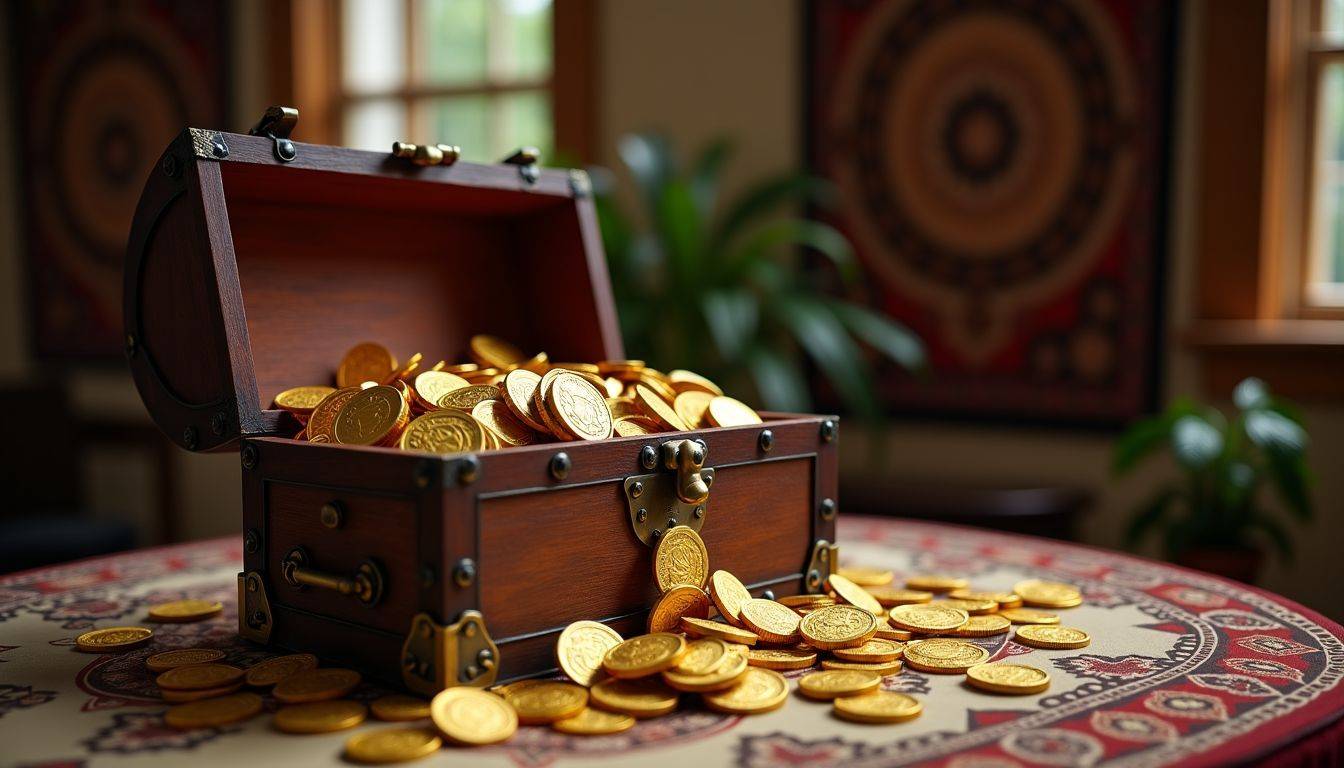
(1323, 267)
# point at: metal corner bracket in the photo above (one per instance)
(677, 495)
(254, 608)
(820, 566)
(435, 656)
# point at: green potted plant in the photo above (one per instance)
(1214, 517)
(724, 287)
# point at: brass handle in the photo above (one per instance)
(686, 457)
(366, 584)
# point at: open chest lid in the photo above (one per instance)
(247, 274)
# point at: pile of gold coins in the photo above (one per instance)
(504, 398)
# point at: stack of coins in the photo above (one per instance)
(503, 398)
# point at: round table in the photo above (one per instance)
(1184, 668)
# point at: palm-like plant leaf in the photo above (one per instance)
(830, 346)
(892, 339)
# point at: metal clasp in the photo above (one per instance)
(678, 496)
(366, 585)
(276, 124)
(435, 656)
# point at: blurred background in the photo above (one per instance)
(1067, 267)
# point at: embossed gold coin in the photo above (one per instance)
(1052, 637)
(113, 639)
(770, 621)
(724, 676)
(547, 701)
(581, 648)
(838, 626)
(973, 607)
(887, 632)
(183, 611)
(1048, 594)
(654, 407)
(445, 431)
(365, 362)
(942, 655)
(680, 558)
(212, 713)
(878, 707)
(853, 594)
(431, 386)
(646, 697)
(725, 632)
(866, 577)
(725, 411)
(472, 717)
(594, 722)
(758, 690)
(466, 398)
(162, 662)
(197, 677)
(320, 716)
(494, 352)
(301, 401)
(928, 618)
(316, 685)
(781, 658)
(683, 380)
(1008, 678)
(391, 745)
(174, 696)
(890, 597)
(322, 423)
(644, 655)
(1028, 616)
(832, 683)
(398, 708)
(518, 392)
(806, 601)
(728, 593)
(495, 417)
(578, 407)
(874, 651)
(702, 657)
(634, 426)
(272, 671)
(691, 407)
(374, 416)
(936, 583)
(983, 626)
(883, 668)
(625, 408)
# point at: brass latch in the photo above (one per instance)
(276, 124)
(679, 495)
(426, 154)
(435, 656)
(366, 585)
(824, 560)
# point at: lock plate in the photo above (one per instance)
(676, 494)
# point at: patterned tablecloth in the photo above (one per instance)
(1183, 668)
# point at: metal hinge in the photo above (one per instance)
(208, 145)
(435, 656)
(276, 124)
(254, 609)
(679, 495)
(821, 565)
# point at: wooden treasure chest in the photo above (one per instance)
(255, 261)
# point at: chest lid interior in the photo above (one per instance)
(246, 275)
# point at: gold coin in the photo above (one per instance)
(1048, 594)
(183, 611)
(644, 655)
(365, 362)
(594, 722)
(391, 745)
(316, 685)
(472, 717)
(547, 701)
(806, 601)
(886, 632)
(702, 657)
(446, 431)
(162, 662)
(944, 656)
(613, 387)
(581, 648)
(983, 626)
(272, 671)
(973, 607)
(539, 399)
(936, 583)
(691, 407)
(873, 651)
(781, 658)
(301, 401)
(725, 676)
(725, 632)
(653, 406)
(403, 374)
(518, 392)
(890, 597)
(883, 668)
(1008, 600)
(634, 426)
(322, 422)
(212, 713)
(495, 416)
(728, 412)
(728, 593)
(1028, 616)
(466, 398)
(620, 367)
(757, 691)
(320, 716)
(687, 381)
(837, 626)
(866, 577)
(770, 621)
(1052, 637)
(680, 558)
(592, 368)
(832, 683)
(648, 697)
(374, 416)
(113, 639)
(430, 386)
(495, 352)
(577, 406)
(174, 696)
(853, 594)
(970, 594)
(929, 618)
(625, 408)
(1008, 678)
(878, 707)
(398, 708)
(199, 676)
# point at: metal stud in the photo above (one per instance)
(827, 431)
(560, 465)
(249, 454)
(648, 457)
(766, 441)
(465, 572)
(828, 509)
(468, 470)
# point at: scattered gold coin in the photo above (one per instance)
(320, 716)
(547, 701)
(833, 683)
(301, 401)
(883, 668)
(725, 632)
(374, 416)
(212, 713)
(936, 583)
(866, 577)
(929, 618)
(702, 657)
(728, 593)
(494, 352)
(724, 411)
(1008, 678)
(691, 407)
(316, 685)
(162, 662)
(677, 602)
(644, 655)
(944, 656)
(398, 708)
(682, 381)
(890, 633)
(873, 651)
(973, 607)
(272, 671)
(878, 707)
(983, 626)
(646, 697)
(770, 621)
(1028, 616)
(431, 386)
(445, 431)
(655, 408)
(853, 594)
(113, 639)
(594, 722)
(680, 558)
(634, 426)
(581, 648)
(759, 690)
(365, 362)
(578, 406)
(472, 717)
(183, 611)
(1052, 637)
(806, 601)
(518, 392)
(497, 420)
(781, 658)
(198, 677)
(175, 696)
(838, 626)
(1048, 594)
(391, 745)
(724, 676)
(890, 597)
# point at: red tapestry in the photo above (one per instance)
(1001, 171)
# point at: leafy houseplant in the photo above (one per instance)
(723, 288)
(1213, 517)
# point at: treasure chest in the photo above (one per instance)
(255, 261)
